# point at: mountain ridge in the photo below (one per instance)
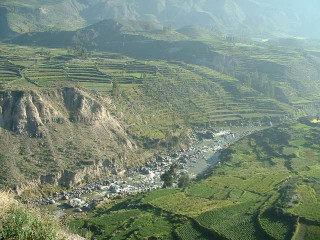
(245, 17)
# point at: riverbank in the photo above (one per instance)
(194, 161)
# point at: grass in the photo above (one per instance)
(164, 94)
(276, 226)
(234, 222)
(189, 232)
(179, 203)
(309, 206)
(22, 222)
(128, 220)
(6, 201)
(312, 232)
(255, 193)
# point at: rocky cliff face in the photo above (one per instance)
(81, 107)
(25, 112)
(69, 178)
(61, 136)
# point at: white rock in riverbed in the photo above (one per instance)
(76, 202)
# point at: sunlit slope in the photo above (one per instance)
(164, 91)
(155, 104)
(287, 74)
(156, 101)
(266, 186)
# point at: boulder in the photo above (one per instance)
(78, 210)
(114, 188)
(76, 202)
(65, 197)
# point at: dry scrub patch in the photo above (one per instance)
(19, 221)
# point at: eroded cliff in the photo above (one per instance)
(61, 136)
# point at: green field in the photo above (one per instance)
(158, 102)
(256, 192)
(154, 97)
(95, 100)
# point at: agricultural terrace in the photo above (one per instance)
(153, 96)
(266, 186)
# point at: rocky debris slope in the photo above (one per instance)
(25, 112)
(60, 136)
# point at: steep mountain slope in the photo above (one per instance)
(60, 136)
(268, 68)
(28, 16)
(254, 17)
(5, 31)
(62, 120)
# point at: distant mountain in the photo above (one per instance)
(238, 17)
(139, 39)
(5, 30)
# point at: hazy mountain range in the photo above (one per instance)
(239, 17)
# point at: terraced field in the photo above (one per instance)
(8, 71)
(155, 96)
(257, 191)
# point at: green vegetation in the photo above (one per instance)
(245, 69)
(24, 223)
(276, 225)
(184, 181)
(129, 219)
(169, 176)
(158, 102)
(258, 191)
(97, 99)
(21, 224)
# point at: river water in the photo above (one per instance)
(194, 161)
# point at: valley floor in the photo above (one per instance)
(266, 187)
(195, 161)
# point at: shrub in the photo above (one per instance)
(20, 223)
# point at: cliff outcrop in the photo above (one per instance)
(60, 137)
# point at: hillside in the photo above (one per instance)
(288, 74)
(245, 17)
(159, 119)
(166, 85)
(18, 221)
(266, 186)
(50, 136)
(54, 100)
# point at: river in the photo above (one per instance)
(196, 160)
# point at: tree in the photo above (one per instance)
(115, 88)
(81, 52)
(167, 179)
(169, 176)
(184, 181)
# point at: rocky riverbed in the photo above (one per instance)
(204, 152)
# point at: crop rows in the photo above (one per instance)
(189, 232)
(234, 222)
(8, 71)
(277, 227)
